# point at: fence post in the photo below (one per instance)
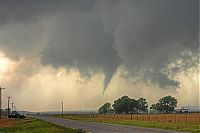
(186, 118)
(175, 117)
(199, 117)
(165, 117)
(131, 117)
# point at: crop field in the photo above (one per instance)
(143, 117)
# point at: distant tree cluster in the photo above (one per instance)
(126, 105)
(165, 105)
(106, 108)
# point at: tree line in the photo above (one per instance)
(126, 105)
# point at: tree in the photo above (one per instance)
(133, 106)
(157, 107)
(122, 105)
(106, 108)
(142, 105)
(127, 105)
(154, 106)
(166, 104)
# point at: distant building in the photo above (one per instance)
(189, 109)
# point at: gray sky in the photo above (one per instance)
(105, 49)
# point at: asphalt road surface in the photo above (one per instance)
(95, 127)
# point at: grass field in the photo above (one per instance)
(31, 125)
(193, 127)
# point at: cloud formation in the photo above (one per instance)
(141, 36)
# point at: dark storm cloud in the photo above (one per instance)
(153, 33)
(25, 24)
(143, 36)
(27, 11)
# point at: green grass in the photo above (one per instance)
(179, 126)
(32, 125)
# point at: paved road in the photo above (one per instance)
(101, 127)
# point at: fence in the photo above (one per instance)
(143, 117)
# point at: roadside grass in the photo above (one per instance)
(192, 127)
(32, 125)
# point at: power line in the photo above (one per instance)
(1, 100)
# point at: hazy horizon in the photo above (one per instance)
(88, 52)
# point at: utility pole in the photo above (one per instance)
(12, 106)
(62, 107)
(9, 104)
(1, 100)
